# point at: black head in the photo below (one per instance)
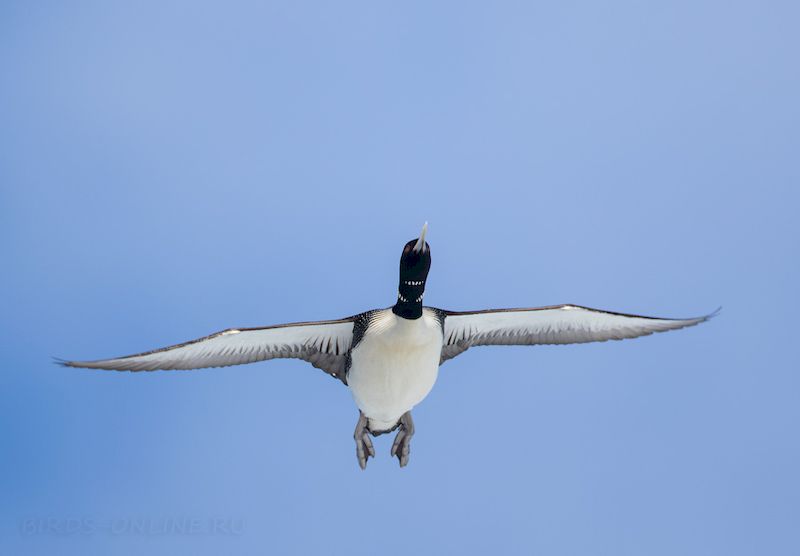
(415, 262)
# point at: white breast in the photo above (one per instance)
(395, 366)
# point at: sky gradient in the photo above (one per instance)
(170, 169)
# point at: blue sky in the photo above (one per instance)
(169, 169)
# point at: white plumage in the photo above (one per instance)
(394, 366)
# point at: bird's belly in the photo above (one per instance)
(389, 378)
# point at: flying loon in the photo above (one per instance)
(390, 358)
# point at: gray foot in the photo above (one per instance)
(402, 442)
(364, 448)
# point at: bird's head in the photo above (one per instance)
(415, 262)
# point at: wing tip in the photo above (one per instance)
(82, 364)
(691, 321)
(710, 315)
(61, 362)
(71, 364)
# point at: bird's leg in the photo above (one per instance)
(364, 448)
(402, 442)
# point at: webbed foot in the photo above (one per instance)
(401, 447)
(364, 448)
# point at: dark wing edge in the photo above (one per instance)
(554, 324)
(324, 344)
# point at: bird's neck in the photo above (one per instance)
(409, 298)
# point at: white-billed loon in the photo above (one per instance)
(390, 358)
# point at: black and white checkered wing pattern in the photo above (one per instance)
(324, 344)
(561, 324)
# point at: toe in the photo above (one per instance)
(398, 442)
(368, 445)
(405, 454)
(361, 454)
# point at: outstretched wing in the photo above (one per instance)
(324, 344)
(559, 324)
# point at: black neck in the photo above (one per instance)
(409, 299)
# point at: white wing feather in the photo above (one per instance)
(324, 344)
(561, 324)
